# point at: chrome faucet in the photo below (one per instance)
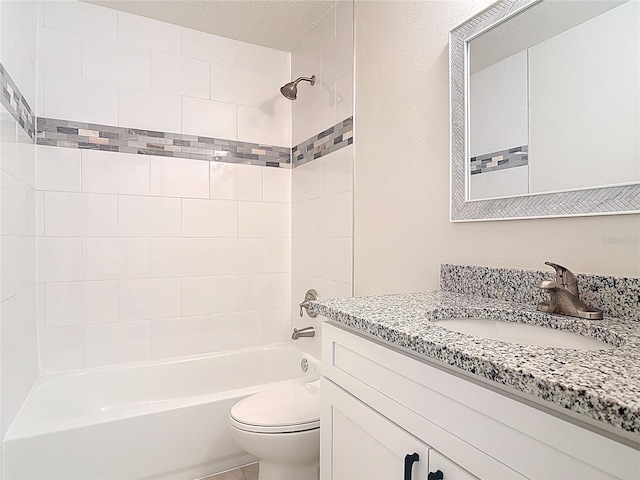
(565, 299)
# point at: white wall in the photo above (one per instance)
(18, 328)
(402, 228)
(585, 104)
(145, 257)
(322, 190)
(498, 106)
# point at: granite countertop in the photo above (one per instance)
(601, 384)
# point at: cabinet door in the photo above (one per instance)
(441, 468)
(360, 444)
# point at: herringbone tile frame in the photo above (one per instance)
(595, 201)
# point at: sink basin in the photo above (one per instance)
(522, 333)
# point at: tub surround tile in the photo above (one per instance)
(80, 135)
(492, 162)
(601, 385)
(324, 143)
(16, 104)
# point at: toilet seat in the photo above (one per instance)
(290, 408)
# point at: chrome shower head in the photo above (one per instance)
(290, 90)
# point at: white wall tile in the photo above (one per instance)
(18, 376)
(59, 259)
(337, 171)
(149, 110)
(115, 258)
(209, 218)
(179, 177)
(58, 169)
(203, 295)
(146, 32)
(80, 99)
(236, 330)
(209, 118)
(40, 214)
(179, 257)
(182, 75)
(18, 323)
(230, 181)
(262, 59)
(276, 255)
(263, 125)
(150, 298)
(59, 52)
(276, 184)
(117, 343)
(235, 85)
(81, 17)
(114, 172)
(276, 325)
(116, 62)
(14, 207)
(306, 181)
(205, 46)
(18, 266)
(337, 52)
(174, 337)
(263, 219)
(76, 303)
(80, 215)
(344, 97)
(337, 259)
(61, 349)
(231, 256)
(268, 290)
(149, 216)
(343, 218)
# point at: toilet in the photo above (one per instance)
(281, 427)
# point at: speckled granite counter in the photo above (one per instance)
(603, 385)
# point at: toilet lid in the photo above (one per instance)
(292, 407)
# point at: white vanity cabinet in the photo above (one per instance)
(380, 405)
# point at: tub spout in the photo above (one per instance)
(303, 332)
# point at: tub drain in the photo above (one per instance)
(304, 365)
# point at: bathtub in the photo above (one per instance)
(146, 421)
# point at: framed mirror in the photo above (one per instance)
(545, 110)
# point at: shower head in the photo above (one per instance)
(290, 90)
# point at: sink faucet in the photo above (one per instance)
(565, 299)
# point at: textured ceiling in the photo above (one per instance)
(280, 24)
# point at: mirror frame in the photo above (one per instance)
(614, 200)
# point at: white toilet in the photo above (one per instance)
(281, 427)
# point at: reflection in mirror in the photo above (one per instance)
(553, 100)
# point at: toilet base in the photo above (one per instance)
(279, 471)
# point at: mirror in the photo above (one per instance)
(545, 110)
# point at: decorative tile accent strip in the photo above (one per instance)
(616, 296)
(491, 162)
(65, 133)
(335, 138)
(15, 103)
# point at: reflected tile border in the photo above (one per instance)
(15, 103)
(91, 136)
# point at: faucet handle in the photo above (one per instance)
(566, 278)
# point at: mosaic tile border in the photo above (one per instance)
(71, 134)
(616, 296)
(501, 160)
(15, 103)
(324, 143)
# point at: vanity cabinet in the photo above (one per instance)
(380, 405)
(366, 445)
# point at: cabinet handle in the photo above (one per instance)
(409, 460)
(437, 475)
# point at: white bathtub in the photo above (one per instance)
(156, 421)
